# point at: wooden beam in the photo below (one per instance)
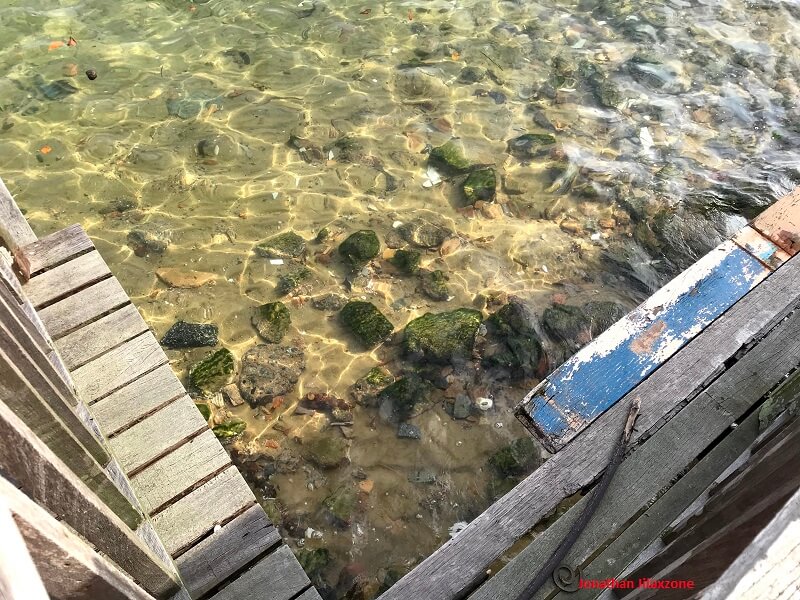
(454, 569)
(19, 579)
(84, 307)
(14, 229)
(59, 282)
(278, 576)
(55, 249)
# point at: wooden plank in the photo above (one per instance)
(309, 594)
(70, 568)
(179, 471)
(118, 367)
(65, 279)
(770, 566)
(601, 373)
(277, 576)
(158, 434)
(459, 564)
(97, 338)
(141, 397)
(14, 229)
(55, 249)
(781, 222)
(227, 551)
(87, 305)
(214, 503)
(761, 247)
(49, 482)
(11, 304)
(9, 280)
(19, 579)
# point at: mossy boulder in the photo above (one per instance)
(531, 145)
(326, 450)
(444, 336)
(608, 94)
(365, 390)
(516, 459)
(229, 429)
(449, 158)
(342, 505)
(313, 560)
(272, 321)
(360, 247)
(434, 285)
(213, 372)
(398, 400)
(292, 280)
(603, 315)
(204, 409)
(366, 322)
(569, 325)
(286, 245)
(480, 185)
(512, 343)
(407, 261)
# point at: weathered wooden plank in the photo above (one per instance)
(9, 280)
(87, 305)
(14, 229)
(310, 594)
(47, 480)
(214, 503)
(118, 367)
(453, 569)
(12, 305)
(19, 579)
(770, 566)
(179, 471)
(164, 430)
(277, 576)
(601, 373)
(761, 247)
(70, 568)
(98, 337)
(645, 473)
(141, 397)
(64, 279)
(55, 249)
(227, 551)
(781, 222)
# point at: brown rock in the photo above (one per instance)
(701, 115)
(490, 210)
(180, 278)
(231, 393)
(366, 486)
(607, 223)
(449, 246)
(572, 226)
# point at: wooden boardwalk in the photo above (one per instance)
(116, 389)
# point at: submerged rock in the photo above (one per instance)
(512, 343)
(516, 459)
(449, 159)
(424, 234)
(444, 336)
(269, 370)
(292, 280)
(462, 407)
(407, 261)
(272, 320)
(531, 145)
(286, 245)
(603, 315)
(366, 322)
(480, 185)
(325, 450)
(360, 247)
(190, 335)
(342, 504)
(313, 561)
(329, 302)
(471, 75)
(54, 90)
(434, 285)
(365, 390)
(569, 325)
(409, 432)
(398, 400)
(213, 372)
(184, 278)
(149, 239)
(230, 428)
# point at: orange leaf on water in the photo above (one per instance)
(55, 45)
(72, 41)
(45, 149)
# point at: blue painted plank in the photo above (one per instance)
(604, 371)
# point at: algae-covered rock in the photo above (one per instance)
(480, 185)
(272, 320)
(325, 450)
(608, 94)
(366, 322)
(407, 261)
(342, 504)
(531, 145)
(449, 159)
(360, 247)
(286, 245)
(213, 372)
(516, 459)
(269, 370)
(291, 280)
(329, 302)
(567, 324)
(434, 285)
(229, 429)
(444, 336)
(512, 342)
(313, 560)
(603, 315)
(204, 409)
(190, 335)
(365, 390)
(398, 400)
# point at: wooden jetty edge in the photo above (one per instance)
(703, 356)
(111, 483)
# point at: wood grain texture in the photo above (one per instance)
(64, 279)
(214, 503)
(137, 399)
(455, 568)
(118, 367)
(156, 435)
(179, 471)
(51, 484)
(97, 338)
(83, 307)
(69, 567)
(14, 229)
(781, 222)
(309, 594)
(56, 248)
(278, 576)
(8, 279)
(227, 551)
(761, 247)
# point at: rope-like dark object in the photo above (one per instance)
(591, 506)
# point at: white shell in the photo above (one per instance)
(485, 403)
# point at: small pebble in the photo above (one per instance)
(91, 74)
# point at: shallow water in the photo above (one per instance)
(675, 122)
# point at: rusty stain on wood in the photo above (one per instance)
(643, 344)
